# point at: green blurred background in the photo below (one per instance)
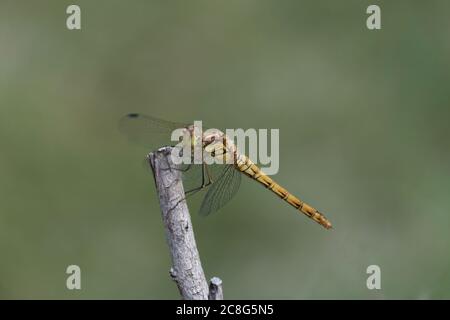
(364, 129)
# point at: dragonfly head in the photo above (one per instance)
(213, 141)
(212, 136)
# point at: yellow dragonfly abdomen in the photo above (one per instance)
(250, 169)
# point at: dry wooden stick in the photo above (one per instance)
(186, 269)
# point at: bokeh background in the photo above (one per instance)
(364, 128)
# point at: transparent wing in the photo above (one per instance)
(222, 190)
(195, 176)
(148, 131)
(192, 176)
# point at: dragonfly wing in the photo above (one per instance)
(192, 176)
(221, 191)
(148, 131)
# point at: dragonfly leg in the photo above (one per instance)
(201, 187)
(184, 169)
(205, 173)
(210, 180)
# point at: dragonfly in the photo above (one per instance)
(222, 180)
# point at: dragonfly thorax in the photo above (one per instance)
(212, 145)
(218, 146)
